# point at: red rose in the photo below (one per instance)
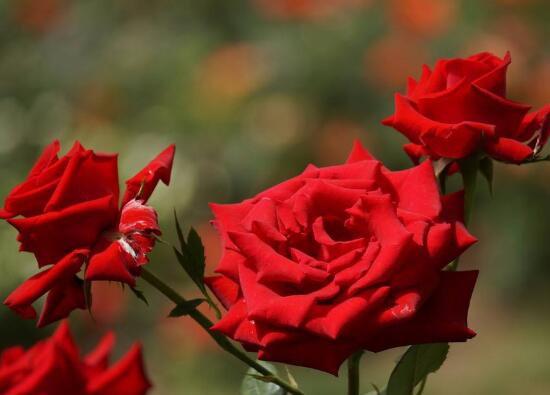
(54, 366)
(461, 107)
(343, 258)
(70, 216)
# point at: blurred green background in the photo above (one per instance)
(252, 91)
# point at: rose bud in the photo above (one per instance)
(460, 108)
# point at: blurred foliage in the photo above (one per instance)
(252, 91)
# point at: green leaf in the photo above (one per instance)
(257, 384)
(195, 251)
(486, 170)
(414, 365)
(185, 308)
(191, 258)
(140, 295)
(179, 232)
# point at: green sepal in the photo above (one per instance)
(441, 167)
(486, 170)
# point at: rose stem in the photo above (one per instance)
(222, 341)
(353, 373)
(469, 180)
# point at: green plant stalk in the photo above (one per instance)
(222, 341)
(469, 180)
(353, 373)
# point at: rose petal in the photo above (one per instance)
(236, 325)
(26, 294)
(126, 377)
(159, 169)
(416, 189)
(88, 176)
(138, 217)
(62, 299)
(31, 196)
(267, 264)
(227, 291)
(267, 306)
(415, 152)
(358, 153)
(97, 360)
(508, 150)
(112, 261)
(57, 372)
(442, 318)
(442, 139)
(453, 207)
(306, 350)
(53, 235)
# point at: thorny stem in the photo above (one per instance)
(222, 341)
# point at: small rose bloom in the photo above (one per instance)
(54, 366)
(461, 108)
(340, 259)
(67, 214)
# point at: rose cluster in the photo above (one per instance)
(54, 366)
(333, 261)
(340, 259)
(67, 214)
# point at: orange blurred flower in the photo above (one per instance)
(231, 73)
(275, 121)
(390, 60)
(539, 83)
(98, 103)
(38, 16)
(423, 17)
(335, 138)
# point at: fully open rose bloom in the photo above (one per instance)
(68, 216)
(54, 367)
(340, 259)
(461, 108)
